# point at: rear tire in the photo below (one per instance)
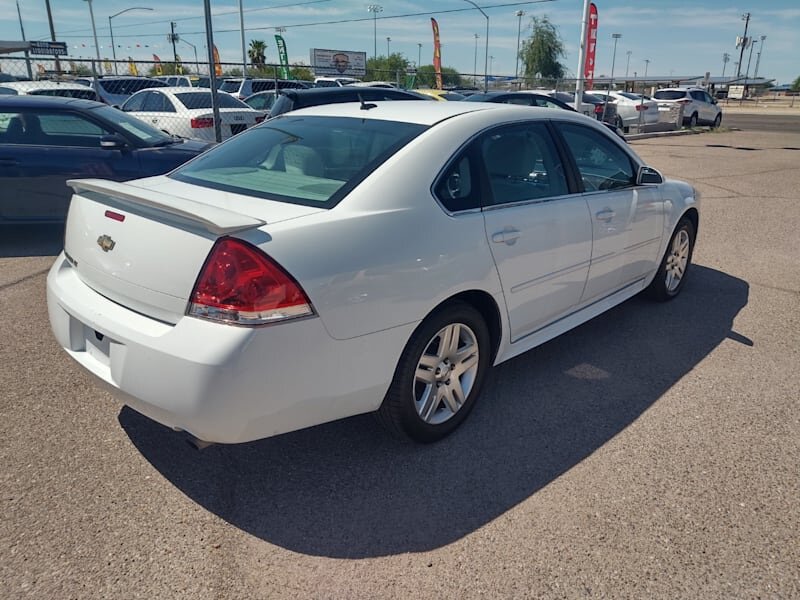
(439, 375)
(674, 267)
(693, 121)
(717, 121)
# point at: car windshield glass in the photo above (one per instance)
(314, 161)
(149, 136)
(128, 86)
(231, 85)
(203, 100)
(83, 94)
(669, 94)
(594, 99)
(630, 96)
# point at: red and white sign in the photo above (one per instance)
(591, 47)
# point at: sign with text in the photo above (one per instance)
(338, 62)
(48, 48)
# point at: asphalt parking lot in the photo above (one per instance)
(651, 453)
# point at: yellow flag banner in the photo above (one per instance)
(159, 69)
(217, 65)
(132, 67)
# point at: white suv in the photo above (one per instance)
(698, 105)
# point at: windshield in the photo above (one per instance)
(203, 100)
(630, 96)
(147, 135)
(313, 161)
(670, 94)
(127, 87)
(230, 85)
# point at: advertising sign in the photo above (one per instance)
(283, 56)
(437, 54)
(591, 47)
(338, 62)
(48, 48)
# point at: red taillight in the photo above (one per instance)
(684, 101)
(259, 119)
(640, 107)
(598, 109)
(240, 284)
(201, 122)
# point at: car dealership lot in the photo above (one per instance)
(652, 452)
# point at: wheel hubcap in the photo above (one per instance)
(677, 260)
(446, 373)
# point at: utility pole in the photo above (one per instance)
(743, 44)
(725, 58)
(28, 56)
(520, 14)
(174, 38)
(52, 32)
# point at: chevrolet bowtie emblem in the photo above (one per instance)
(106, 243)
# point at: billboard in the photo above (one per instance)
(345, 63)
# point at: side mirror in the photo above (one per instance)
(648, 176)
(112, 142)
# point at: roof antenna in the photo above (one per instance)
(364, 105)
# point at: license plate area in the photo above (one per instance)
(97, 345)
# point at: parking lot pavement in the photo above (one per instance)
(651, 453)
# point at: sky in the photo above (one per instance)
(678, 37)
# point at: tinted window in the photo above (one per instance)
(128, 86)
(522, 164)
(230, 85)
(203, 100)
(313, 161)
(602, 164)
(669, 94)
(138, 129)
(83, 94)
(630, 96)
(135, 102)
(7, 91)
(157, 102)
(698, 96)
(457, 188)
(51, 129)
(261, 102)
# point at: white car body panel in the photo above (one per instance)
(373, 267)
(627, 108)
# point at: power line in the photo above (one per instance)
(317, 23)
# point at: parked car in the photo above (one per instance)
(48, 88)
(242, 88)
(698, 105)
(334, 81)
(262, 101)
(175, 80)
(290, 100)
(441, 95)
(188, 112)
(352, 258)
(632, 109)
(116, 90)
(591, 105)
(44, 141)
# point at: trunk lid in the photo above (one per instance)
(144, 247)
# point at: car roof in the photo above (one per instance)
(423, 112)
(47, 102)
(346, 90)
(43, 85)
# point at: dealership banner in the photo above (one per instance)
(159, 70)
(591, 47)
(437, 54)
(217, 65)
(342, 63)
(283, 56)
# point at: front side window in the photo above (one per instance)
(602, 164)
(522, 164)
(50, 129)
(312, 161)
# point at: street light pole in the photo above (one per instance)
(388, 39)
(520, 14)
(196, 62)
(475, 63)
(419, 55)
(375, 9)
(616, 37)
(628, 65)
(486, 60)
(244, 48)
(94, 33)
(111, 32)
(725, 58)
(758, 60)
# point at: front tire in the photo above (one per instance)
(674, 267)
(717, 121)
(439, 376)
(693, 121)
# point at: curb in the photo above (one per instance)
(658, 134)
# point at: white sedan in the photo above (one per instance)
(632, 109)
(351, 258)
(186, 112)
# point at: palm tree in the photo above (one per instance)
(257, 53)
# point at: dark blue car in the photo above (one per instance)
(44, 141)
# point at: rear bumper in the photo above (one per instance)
(220, 383)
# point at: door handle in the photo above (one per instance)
(508, 236)
(605, 215)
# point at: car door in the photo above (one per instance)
(50, 148)
(158, 110)
(627, 220)
(539, 233)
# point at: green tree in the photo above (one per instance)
(796, 85)
(541, 52)
(426, 77)
(301, 71)
(385, 68)
(257, 53)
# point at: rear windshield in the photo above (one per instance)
(230, 85)
(630, 96)
(203, 100)
(87, 94)
(313, 161)
(128, 86)
(669, 94)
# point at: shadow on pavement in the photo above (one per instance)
(347, 490)
(31, 240)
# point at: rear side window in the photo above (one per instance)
(312, 161)
(203, 100)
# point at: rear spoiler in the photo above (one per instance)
(219, 221)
